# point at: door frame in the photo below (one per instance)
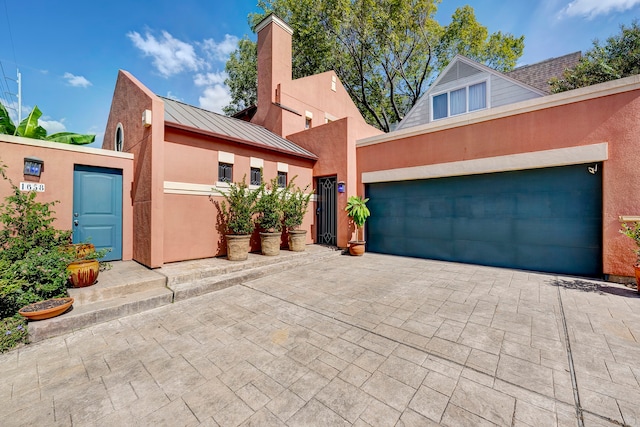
(117, 252)
(327, 213)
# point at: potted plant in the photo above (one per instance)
(237, 210)
(269, 208)
(86, 265)
(295, 206)
(633, 232)
(358, 212)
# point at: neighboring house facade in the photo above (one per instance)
(466, 86)
(538, 184)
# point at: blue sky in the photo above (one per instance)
(69, 52)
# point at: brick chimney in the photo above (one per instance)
(274, 65)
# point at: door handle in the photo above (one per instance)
(75, 222)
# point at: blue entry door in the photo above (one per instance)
(97, 208)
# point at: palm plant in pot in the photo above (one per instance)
(296, 204)
(237, 210)
(358, 212)
(633, 232)
(270, 214)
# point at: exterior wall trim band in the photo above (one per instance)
(512, 162)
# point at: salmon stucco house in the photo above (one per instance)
(487, 168)
(305, 128)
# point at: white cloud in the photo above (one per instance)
(170, 95)
(52, 126)
(170, 55)
(77, 81)
(210, 79)
(214, 98)
(592, 8)
(221, 51)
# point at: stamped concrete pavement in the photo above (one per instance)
(364, 341)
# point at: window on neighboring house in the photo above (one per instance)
(256, 176)
(225, 172)
(282, 179)
(307, 123)
(460, 101)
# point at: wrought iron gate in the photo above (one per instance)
(326, 211)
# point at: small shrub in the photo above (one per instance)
(296, 204)
(238, 207)
(270, 207)
(13, 331)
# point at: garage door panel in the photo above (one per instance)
(487, 253)
(542, 219)
(481, 229)
(562, 232)
(566, 260)
(438, 228)
(435, 248)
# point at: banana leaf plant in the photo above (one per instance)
(29, 128)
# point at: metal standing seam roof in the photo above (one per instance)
(198, 118)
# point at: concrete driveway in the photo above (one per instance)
(371, 341)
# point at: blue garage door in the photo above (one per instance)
(541, 219)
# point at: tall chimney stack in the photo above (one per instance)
(274, 62)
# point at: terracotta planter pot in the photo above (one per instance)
(46, 309)
(297, 240)
(238, 246)
(356, 247)
(270, 243)
(83, 273)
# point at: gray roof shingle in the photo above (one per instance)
(198, 118)
(539, 74)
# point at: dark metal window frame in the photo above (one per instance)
(282, 179)
(256, 176)
(225, 172)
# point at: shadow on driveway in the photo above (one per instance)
(600, 288)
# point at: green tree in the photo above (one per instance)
(386, 53)
(242, 77)
(619, 57)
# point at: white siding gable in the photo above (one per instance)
(462, 72)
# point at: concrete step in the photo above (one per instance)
(130, 288)
(215, 276)
(88, 314)
(107, 288)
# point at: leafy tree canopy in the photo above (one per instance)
(619, 57)
(386, 53)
